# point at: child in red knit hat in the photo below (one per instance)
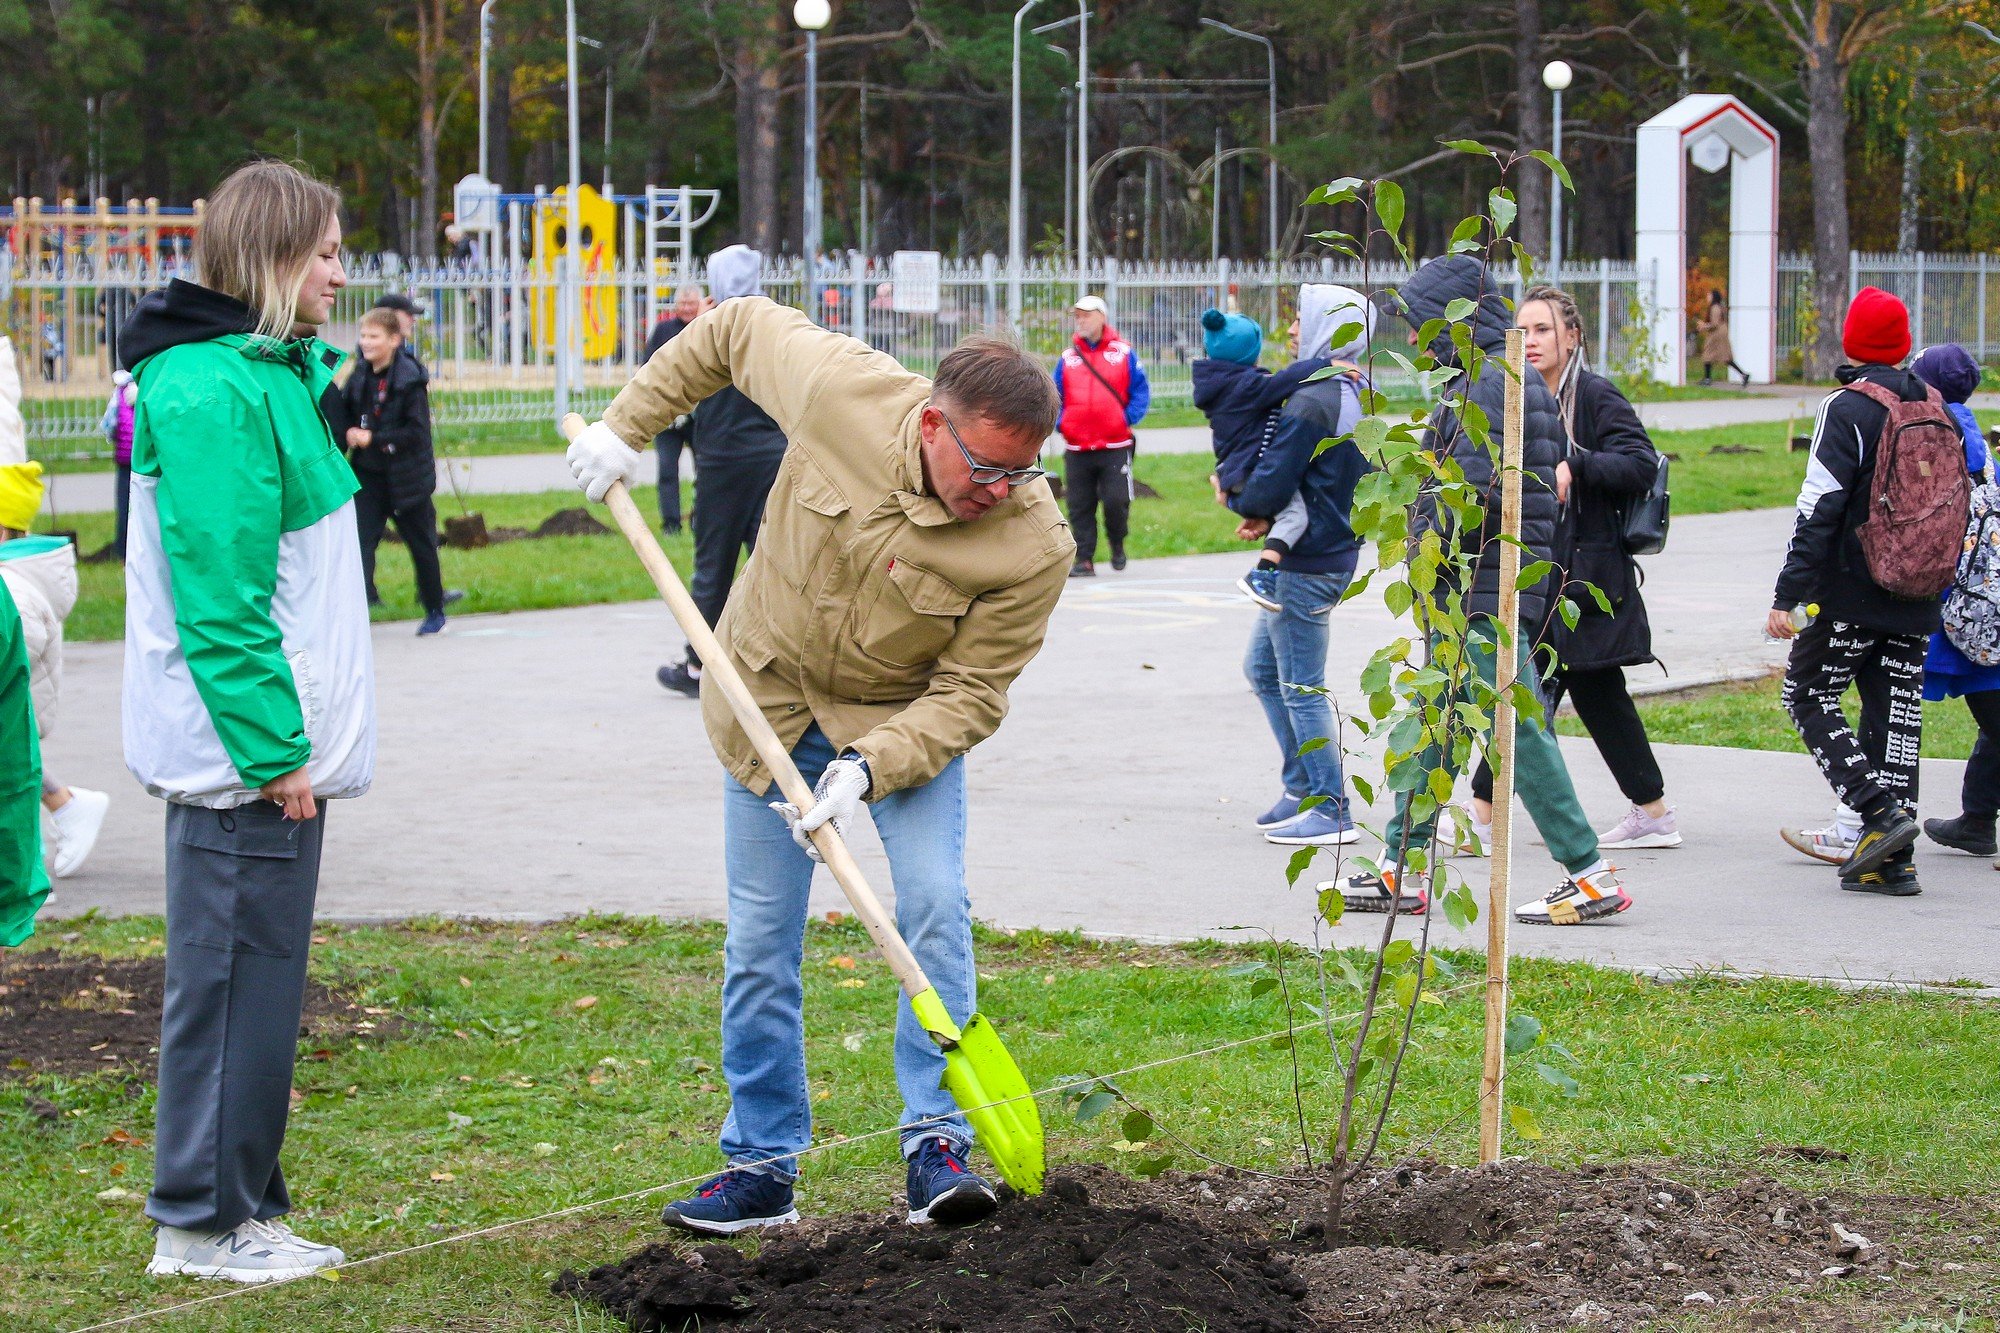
(1848, 629)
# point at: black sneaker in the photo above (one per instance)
(1118, 557)
(676, 676)
(734, 1201)
(1881, 838)
(453, 595)
(1894, 878)
(1967, 833)
(1083, 569)
(943, 1189)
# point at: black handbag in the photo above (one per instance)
(1642, 528)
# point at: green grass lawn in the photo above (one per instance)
(512, 1098)
(1749, 717)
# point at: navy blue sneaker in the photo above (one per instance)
(943, 1189)
(1286, 808)
(1260, 585)
(1321, 826)
(677, 677)
(433, 624)
(734, 1201)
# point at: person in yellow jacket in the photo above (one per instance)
(910, 557)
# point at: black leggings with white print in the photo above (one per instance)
(1878, 766)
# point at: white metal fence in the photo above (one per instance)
(487, 333)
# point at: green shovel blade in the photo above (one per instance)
(987, 1085)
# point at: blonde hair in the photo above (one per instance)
(1564, 307)
(259, 232)
(383, 318)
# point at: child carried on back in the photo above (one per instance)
(1241, 401)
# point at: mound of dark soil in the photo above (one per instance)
(1433, 1247)
(80, 1014)
(1059, 1260)
(1426, 1248)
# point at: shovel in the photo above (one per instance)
(978, 1072)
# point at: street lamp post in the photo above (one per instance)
(1082, 162)
(1014, 183)
(570, 306)
(1271, 125)
(1556, 76)
(812, 15)
(485, 45)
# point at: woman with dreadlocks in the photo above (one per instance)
(1611, 461)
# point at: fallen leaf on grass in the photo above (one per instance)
(457, 1121)
(852, 1041)
(851, 983)
(124, 1138)
(328, 1274)
(841, 961)
(584, 1002)
(835, 918)
(443, 1177)
(465, 981)
(543, 1150)
(116, 1194)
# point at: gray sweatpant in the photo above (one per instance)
(240, 889)
(1290, 524)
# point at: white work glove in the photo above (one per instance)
(837, 798)
(598, 457)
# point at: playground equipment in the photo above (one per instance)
(596, 248)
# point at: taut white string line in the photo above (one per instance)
(1289, 1030)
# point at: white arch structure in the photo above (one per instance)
(1713, 130)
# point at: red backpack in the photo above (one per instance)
(1921, 499)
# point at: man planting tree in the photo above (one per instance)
(910, 558)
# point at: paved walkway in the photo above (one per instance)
(522, 778)
(86, 492)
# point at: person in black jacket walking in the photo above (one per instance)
(385, 422)
(688, 302)
(1590, 889)
(1861, 634)
(1609, 462)
(737, 450)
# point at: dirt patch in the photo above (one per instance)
(464, 533)
(1428, 1248)
(80, 1014)
(1060, 1260)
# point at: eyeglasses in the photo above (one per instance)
(985, 474)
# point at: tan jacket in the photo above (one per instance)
(866, 607)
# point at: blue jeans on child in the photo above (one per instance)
(1288, 648)
(763, 1028)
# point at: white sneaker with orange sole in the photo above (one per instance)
(1579, 898)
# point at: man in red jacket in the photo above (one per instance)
(1104, 394)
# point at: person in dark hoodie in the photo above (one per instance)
(737, 451)
(688, 302)
(1861, 634)
(1241, 401)
(386, 426)
(249, 699)
(1590, 889)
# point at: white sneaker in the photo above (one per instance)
(253, 1252)
(1579, 898)
(1832, 844)
(77, 826)
(1469, 837)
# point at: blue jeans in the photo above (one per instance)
(763, 1025)
(1288, 648)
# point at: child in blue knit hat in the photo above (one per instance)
(1242, 401)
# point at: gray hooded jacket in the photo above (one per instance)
(1425, 296)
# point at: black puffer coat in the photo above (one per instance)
(1424, 297)
(1611, 460)
(395, 404)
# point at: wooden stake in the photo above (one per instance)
(1506, 668)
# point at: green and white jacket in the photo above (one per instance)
(247, 650)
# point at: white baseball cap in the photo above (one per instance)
(1092, 303)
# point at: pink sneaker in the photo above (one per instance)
(1639, 829)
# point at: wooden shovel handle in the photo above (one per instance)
(719, 671)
